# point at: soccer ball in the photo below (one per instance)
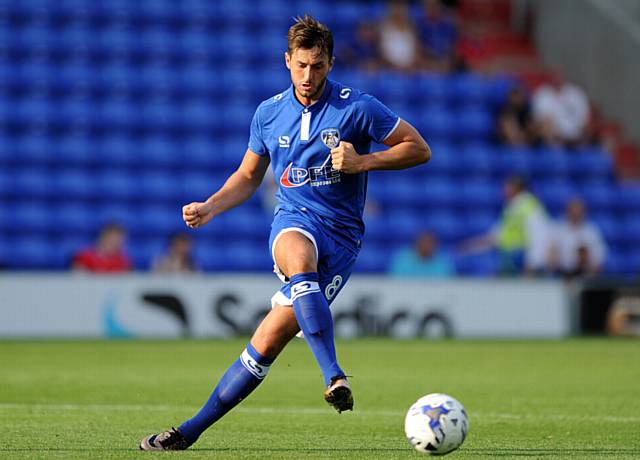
(436, 424)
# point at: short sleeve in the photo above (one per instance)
(256, 142)
(379, 120)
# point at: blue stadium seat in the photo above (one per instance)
(592, 163)
(630, 231)
(608, 224)
(118, 150)
(118, 185)
(75, 218)
(446, 160)
(35, 148)
(157, 41)
(247, 256)
(479, 160)
(117, 114)
(551, 163)
(515, 160)
(476, 123)
(447, 225)
(210, 255)
(144, 251)
(76, 111)
(7, 141)
(480, 194)
(403, 225)
(249, 223)
(76, 150)
(469, 88)
(199, 186)
(437, 122)
(75, 184)
(158, 114)
(440, 191)
(127, 215)
(480, 221)
(599, 196)
(477, 265)
(28, 253)
(160, 186)
(196, 79)
(377, 228)
(632, 267)
(204, 116)
(32, 217)
(499, 87)
(404, 189)
(373, 258)
(67, 246)
(554, 195)
(158, 221)
(628, 199)
(31, 183)
(160, 151)
(7, 186)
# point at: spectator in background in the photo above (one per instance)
(578, 246)
(399, 44)
(561, 112)
(423, 260)
(178, 258)
(514, 124)
(521, 236)
(107, 255)
(437, 32)
(364, 49)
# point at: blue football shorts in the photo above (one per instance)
(335, 260)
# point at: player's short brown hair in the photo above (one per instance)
(307, 33)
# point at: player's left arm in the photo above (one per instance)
(407, 148)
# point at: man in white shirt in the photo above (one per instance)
(579, 248)
(561, 110)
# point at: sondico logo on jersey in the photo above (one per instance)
(315, 175)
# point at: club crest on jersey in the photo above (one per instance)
(330, 137)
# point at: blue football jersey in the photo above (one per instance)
(298, 140)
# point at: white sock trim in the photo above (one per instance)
(303, 288)
(258, 370)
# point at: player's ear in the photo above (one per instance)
(331, 62)
(287, 60)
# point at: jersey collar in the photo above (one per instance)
(328, 89)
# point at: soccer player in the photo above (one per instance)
(317, 136)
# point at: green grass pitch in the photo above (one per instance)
(526, 399)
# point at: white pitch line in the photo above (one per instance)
(308, 411)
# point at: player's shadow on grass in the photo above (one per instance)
(532, 452)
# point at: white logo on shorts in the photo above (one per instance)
(332, 289)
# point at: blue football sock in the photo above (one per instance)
(236, 384)
(314, 318)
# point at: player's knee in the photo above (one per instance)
(295, 254)
(268, 345)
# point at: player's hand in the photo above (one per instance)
(197, 214)
(344, 158)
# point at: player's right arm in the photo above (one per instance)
(238, 188)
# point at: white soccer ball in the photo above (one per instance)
(436, 424)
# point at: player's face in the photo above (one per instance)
(309, 69)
